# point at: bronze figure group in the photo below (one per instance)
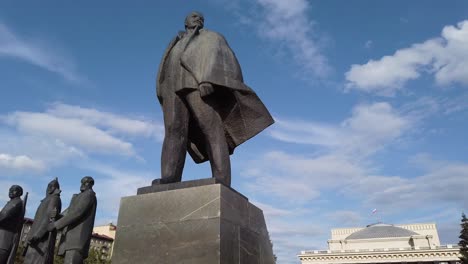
(75, 225)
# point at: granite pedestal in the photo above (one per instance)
(196, 222)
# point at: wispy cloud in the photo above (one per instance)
(35, 52)
(340, 168)
(298, 179)
(113, 122)
(445, 57)
(368, 129)
(20, 163)
(289, 25)
(64, 132)
(302, 132)
(289, 235)
(72, 131)
(289, 22)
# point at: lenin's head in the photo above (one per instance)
(194, 19)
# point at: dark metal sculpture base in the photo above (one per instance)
(196, 222)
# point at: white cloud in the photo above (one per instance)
(71, 131)
(297, 179)
(439, 187)
(272, 211)
(368, 129)
(66, 132)
(301, 132)
(445, 57)
(47, 151)
(288, 25)
(343, 172)
(371, 127)
(291, 235)
(31, 51)
(288, 22)
(114, 123)
(22, 163)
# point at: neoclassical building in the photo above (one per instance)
(384, 243)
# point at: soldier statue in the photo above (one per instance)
(77, 224)
(40, 242)
(11, 222)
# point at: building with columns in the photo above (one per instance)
(384, 243)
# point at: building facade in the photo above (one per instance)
(103, 239)
(103, 245)
(384, 243)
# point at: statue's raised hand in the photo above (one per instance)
(205, 89)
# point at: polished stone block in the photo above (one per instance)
(200, 223)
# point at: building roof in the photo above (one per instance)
(381, 230)
(103, 237)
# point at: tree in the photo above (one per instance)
(19, 255)
(464, 239)
(95, 257)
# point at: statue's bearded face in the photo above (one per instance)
(86, 183)
(195, 19)
(51, 187)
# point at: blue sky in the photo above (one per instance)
(370, 100)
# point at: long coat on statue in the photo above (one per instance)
(77, 223)
(209, 59)
(42, 252)
(11, 219)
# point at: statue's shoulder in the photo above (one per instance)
(55, 197)
(89, 193)
(17, 202)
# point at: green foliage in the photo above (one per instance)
(58, 259)
(95, 257)
(464, 239)
(19, 255)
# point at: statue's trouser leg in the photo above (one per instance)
(73, 257)
(174, 150)
(211, 126)
(4, 256)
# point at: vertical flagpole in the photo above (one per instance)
(375, 212)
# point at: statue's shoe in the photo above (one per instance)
(163, 181)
